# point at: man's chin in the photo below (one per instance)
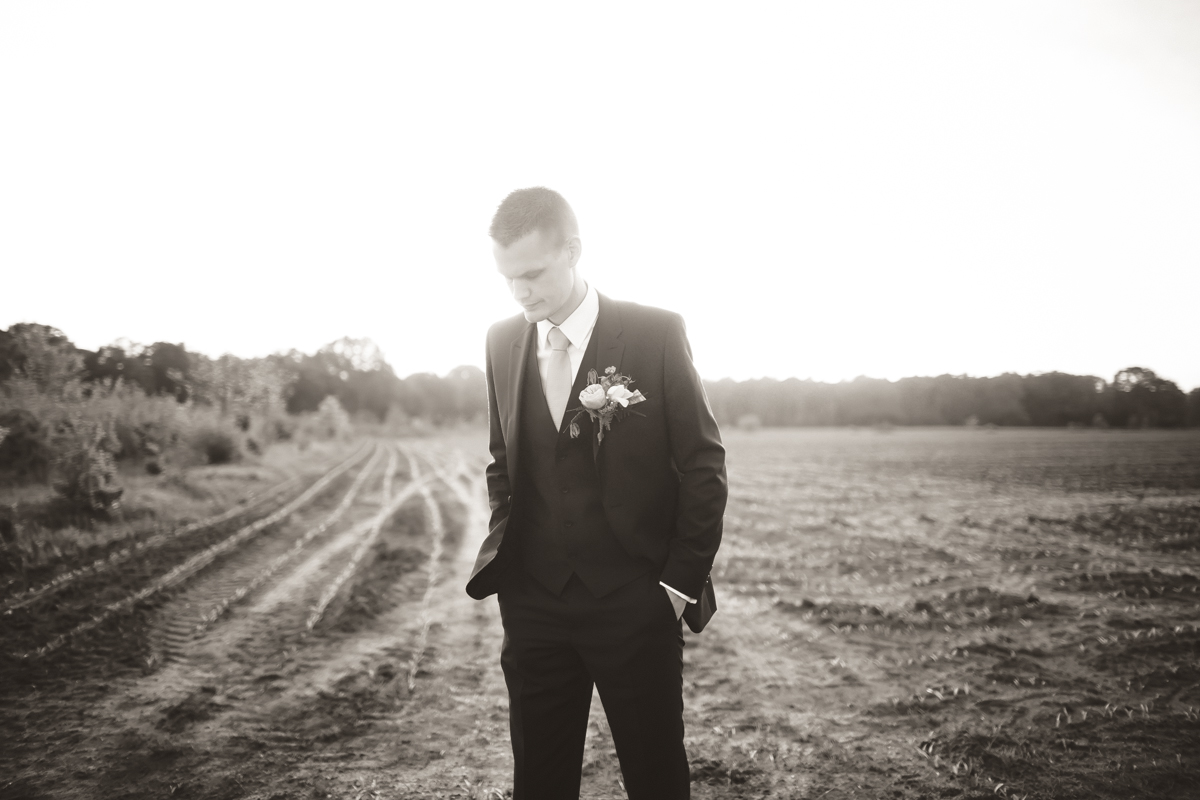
(535, 315)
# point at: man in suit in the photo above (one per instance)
(596, 549)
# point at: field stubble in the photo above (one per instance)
(954, 613)
(904, 614)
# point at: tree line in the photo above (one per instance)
(353, 371)
(1136, 397)
(78, 419)
(356, 374)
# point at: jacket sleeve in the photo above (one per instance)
(699, 458)
(498, 489)
(486, 572)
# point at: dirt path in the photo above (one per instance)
(335, 651)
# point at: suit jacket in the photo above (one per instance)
(662, 470)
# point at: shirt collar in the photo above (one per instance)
(579, 325)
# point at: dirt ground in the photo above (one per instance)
(908, 613)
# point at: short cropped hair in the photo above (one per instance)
(534, 209)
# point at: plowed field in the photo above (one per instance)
(903, 614)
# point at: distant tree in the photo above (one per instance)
(867, 401)
(372, 391)
(998, 400)
(10, 353)
(42, 355)
(238, 386)
(169, 365)
(311, 381)
(361, 355)
(114, 362)
(161, 368)
(37, 360)
(1056, 398)
(426, 395)
(1141, 399)
(1050, 399)
(468, 385)
(918, 402)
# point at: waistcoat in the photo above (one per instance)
(562, 528)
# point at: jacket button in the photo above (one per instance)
(565, 490)
(568, 524)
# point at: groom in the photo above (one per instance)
(595, 549)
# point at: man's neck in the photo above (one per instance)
(578, 292)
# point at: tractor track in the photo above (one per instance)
(249, 650)
(400, 641)
(261, 615)
(246, 505)
(47, 625)
(188, 615)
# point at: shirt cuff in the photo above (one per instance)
(676, 591)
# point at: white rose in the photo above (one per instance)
(619, 394)
(593, 396)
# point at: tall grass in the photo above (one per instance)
(73, 435)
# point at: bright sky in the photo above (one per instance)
(823, 190)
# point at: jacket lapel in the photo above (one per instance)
(522, 347)
(609, 347)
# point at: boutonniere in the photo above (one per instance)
(605, 399)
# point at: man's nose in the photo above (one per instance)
(520, 290)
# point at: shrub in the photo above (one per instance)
(85, 473)
(330, 421)
(144, 425)
(285, 429)
(272, 426)
(48, 414)
(216, 445)
(148, 425)
(25, 449)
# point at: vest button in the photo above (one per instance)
(565, 490)
(568, 524)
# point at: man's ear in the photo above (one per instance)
(574, 250)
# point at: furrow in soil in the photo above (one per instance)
(94, 618)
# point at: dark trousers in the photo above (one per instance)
(630, 646)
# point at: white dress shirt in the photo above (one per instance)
(578, 329)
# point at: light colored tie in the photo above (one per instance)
(558, 376)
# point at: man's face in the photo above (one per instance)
(539, 272)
